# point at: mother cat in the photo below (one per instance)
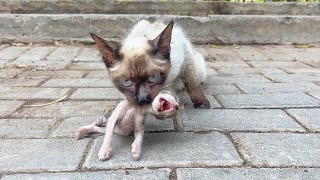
(151, 58)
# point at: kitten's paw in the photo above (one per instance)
(104, 153)
(202, 104)
(136, 150)
(80, 133)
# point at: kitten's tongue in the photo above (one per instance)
(165, 105)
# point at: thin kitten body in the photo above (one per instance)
(127, 118)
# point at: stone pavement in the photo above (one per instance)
(264, 122)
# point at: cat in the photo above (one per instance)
(127, 118)
(151, 58)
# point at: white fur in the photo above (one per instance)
(181, 48)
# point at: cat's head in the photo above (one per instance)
(138, 68)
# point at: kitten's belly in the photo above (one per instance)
(125, 126)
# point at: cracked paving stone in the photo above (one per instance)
(40, 154)
(167, 149)
(279, 149)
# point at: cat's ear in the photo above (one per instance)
(161, 44)
(108, 49)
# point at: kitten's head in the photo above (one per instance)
(138, 68)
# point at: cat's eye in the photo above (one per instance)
(154, 78)
(126, 83)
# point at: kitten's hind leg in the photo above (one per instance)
(89, 129)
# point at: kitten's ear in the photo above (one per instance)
(108, 49)
(161, 44)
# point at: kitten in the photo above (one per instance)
(127, 118)
(151, 58)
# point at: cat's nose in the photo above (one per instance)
(143, 101)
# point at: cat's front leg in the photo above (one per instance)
(138, 134)
(193, 87)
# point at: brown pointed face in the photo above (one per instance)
(138, 70)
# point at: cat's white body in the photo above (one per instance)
(181, 52)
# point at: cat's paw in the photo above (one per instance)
(80, 133)
(104, 153)
(136, 150)
(202, 104)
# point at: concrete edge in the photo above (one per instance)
(217, 29)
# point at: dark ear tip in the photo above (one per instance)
(93, 35)
(171, 23)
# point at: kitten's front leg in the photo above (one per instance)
(105, 150)
(138, 134)
(193, 87)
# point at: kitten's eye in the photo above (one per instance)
(126, 83)
(154, 78)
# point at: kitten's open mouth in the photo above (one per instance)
(166, 106)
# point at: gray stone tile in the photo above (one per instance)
(40, 154)
(102, 74)
(220, 89)
(88, 65)
(250, 53)
(250, 70)
(302, 70)
(279, 87)
(308, 117)
(293, 77)
(9, 73)
(41, 64)
(97, 93)
(223, 53)
(26, 82)
(238, 120)
(279, 149)
(315, 94)
(78, 83)
(35, 54)
(8, 107)
(315, 64)
(66, 109)
(248, 173)
(31, 93)
(25, 128)
(275, 53)
(68, 127)
(12, 52)
(67, 53)
(89, 54)
(157, 174)
(226, 64)
(277, 64)
(268, 100)
(168, 149)
(64, 74)
(222, 79)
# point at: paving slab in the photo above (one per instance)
(220, 89)
(238, 120)
(61, 74)
(89, 54)
(65, 109)
(167, 149)
(41, 64)
(222, 79)
(10, 73)
(35, 54)
(293, 77)
(12, 52)
(26, 82)
(97, 93)
(157, 174)
(308, 117)
(277, 64)
(78, 83)
(248, 53)
(25, 128)
(268, 100)
(88, 65)
(102, 74)
(279, 149)
(8, 107)
(302, 70)
(227, 64)
(248, 173)
(64, 54)
(275, 52)
(315, 95)
(68, 127)
(223, 53)
(315, 64)
(32, 93)
(41, 154)
(279, 87)
(244, 70)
